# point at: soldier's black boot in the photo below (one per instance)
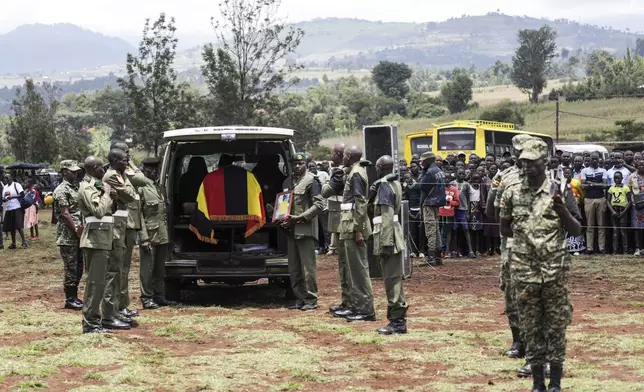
(395, 326)
(439, 257)
(556, 372)
(525, 371)
(69, 299)
(516, 350)
(538, 379)
(76, 299)
(430, 260)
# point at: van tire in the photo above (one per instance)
(173, 290)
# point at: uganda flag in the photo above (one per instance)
(228, 194)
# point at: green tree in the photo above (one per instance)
(533, 59)
(32, 129)
(73, 134)
(150, 83)
(629, 130)
(391, 78)
(245, 69)
(457, 92)
(100, 141)
(112, 109)
(507, 112)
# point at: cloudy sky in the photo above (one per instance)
(125, 17)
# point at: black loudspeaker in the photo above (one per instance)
(379, 140)
(382, 140)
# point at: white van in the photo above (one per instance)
(190, 155)
(580, 148)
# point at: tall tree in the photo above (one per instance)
(391, 78)
(150, 83)
(533, 59)
(457, 92)
(32, 129)
(249, 62)
(112, 109)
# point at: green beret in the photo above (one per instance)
(298, 157)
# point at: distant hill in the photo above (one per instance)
(469, 40)
(59, 47)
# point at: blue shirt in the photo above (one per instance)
(593, 175)
(610, 174)
(432, 187)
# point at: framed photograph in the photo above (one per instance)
(283, 203)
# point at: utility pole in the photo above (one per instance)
(557, 121)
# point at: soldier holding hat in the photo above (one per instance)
(302, 227)
(69, 228)
(536, 214)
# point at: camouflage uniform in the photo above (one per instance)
(307, 203)
(115, 268)
(354, 219)
(333, 191)
(65, 196)
(388, 242)
(540, 268)
(96, 242)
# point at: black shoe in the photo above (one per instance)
(150, 304)
(525, 371)
(126, 320)
(164, 302)
(78, 302)
(361, 317)
(308, 307)
(88, 329)
(516, 350)
(295, 306)
(343, 313)
(24, 245)
(430, 261)
(538, 379)
(12, 246)
(396, 326)
(129, 313)
(70, 303)
(116, 324)
(336, 308)
(556, 372)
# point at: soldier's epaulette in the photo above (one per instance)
(392, 177)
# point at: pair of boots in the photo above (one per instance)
(539, 377)
(71, 299)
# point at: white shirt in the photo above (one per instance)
(11, 190)
(611, 173)
(323, 177)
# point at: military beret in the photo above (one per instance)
(298, 157)
(534, 149)
(151, 161)
(427, 155)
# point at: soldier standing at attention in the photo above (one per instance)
(355, 229)
(69, 228)
(388, 242)
(432, 197)
(536, 215)
(117, 180)
(154, 232)
(302, 226)
(134, 225)
(501, 181)
(95, 204)
(333, 190)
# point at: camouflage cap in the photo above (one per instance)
(70, 165)
(298, 157)
(427, 155)
(519, 140)
(534, 149)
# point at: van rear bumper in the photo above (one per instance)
(192, 269)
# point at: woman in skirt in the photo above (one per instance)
(636, 184)
(14, 218)
(31, 213)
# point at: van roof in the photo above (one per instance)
(580, 147)
(240, 132)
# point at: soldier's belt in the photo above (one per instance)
(346, 206)
(378, 220)
(93, 219)
(120, 214)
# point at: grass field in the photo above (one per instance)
(242, 339)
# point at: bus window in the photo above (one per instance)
(456, 139)
(421, 144)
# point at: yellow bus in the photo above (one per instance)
(418, 143)
(479, 137)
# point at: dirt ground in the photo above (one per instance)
(243, 339)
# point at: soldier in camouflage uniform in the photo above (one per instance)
(155, 233)
(69, 229)
(302, 228)
(536, 215)
(333, 190)
(95, 204)
(500, 182)
(388, 242)
(355, 229)
(115, 177)
(134, 224)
